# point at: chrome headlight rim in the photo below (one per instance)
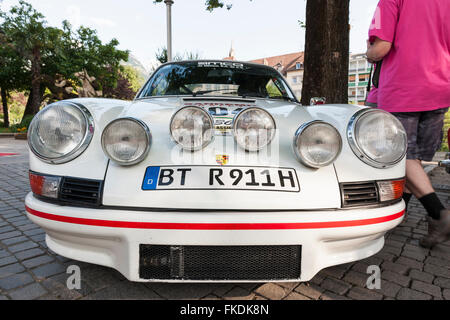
(357, 150)
(82, 145)
(299, 132)
(147, 148)
(211, 121)
(234, 129)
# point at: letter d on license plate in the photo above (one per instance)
(220, 178)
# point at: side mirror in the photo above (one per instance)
(317, 100)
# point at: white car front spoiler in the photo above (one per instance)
(112, 237)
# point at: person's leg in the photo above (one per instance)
(429, 139)
(424, 131)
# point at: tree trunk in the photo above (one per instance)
(4, 96)
(326, 51)
(35, 94)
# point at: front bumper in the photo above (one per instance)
(112, 237)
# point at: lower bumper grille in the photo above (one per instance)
(219, 262)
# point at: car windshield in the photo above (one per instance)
(217, 78)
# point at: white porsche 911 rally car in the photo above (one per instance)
(215, 173)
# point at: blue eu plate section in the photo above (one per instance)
(151, 178)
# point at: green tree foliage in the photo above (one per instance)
(51, 57)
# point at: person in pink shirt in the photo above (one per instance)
(411, 39)
(372, 98)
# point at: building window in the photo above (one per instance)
(294, 79)
(352, 78)
(298, 65)
(363, 77)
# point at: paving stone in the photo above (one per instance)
(435, 291)
(183, 291)
(4, 253)
(360, 267)
(414, 255)
(6, 229)
(16, 280)
(34, 262)
(436, 270)
(28, 227)
(11, 234)
(410, 263)
(328, 295)
(395, 277)
(334, 285)
(310, 290)
(442, 282)
(438, 261)
(446, 294)
(60, 290)
(394, 267)
(388, 289)
(421, 276)
(358, 293)
(318, 278)
(409, 294)
(272, 291)
(10, 241)
(22, 246)
(296, 296)
(48, 270)
(10, 270)
(238, 293)
(34, 232)
(288, 285)
(7, 260)
(356, 278)
(27, 254)
(335, 272)
(29, 292)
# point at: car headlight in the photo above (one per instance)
(192, 128)
(253, 128)
(60, 132)
(377, 138)
(317, 144)
(126, 141)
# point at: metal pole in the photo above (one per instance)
(169, 4)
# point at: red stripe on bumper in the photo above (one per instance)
(214, 226)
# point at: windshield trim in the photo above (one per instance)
(252, 64)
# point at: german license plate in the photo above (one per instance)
(220, 178)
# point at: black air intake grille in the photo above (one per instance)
(80, 191)
(219, 262)
(359, 194)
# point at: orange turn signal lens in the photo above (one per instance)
(46, 186)
(391, 190)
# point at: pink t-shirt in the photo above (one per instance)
(372, 97)
(415, 75)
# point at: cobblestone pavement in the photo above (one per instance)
(29, 270)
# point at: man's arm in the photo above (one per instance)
(377, 50)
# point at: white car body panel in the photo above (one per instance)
(104, 236)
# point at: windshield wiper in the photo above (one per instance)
(202, 92)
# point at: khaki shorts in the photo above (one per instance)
(424, 131)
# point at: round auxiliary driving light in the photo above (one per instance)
(253, 128)
(192, 128)
(317, 144)
(126, 141)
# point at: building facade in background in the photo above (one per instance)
(358, 78)
(291, 67)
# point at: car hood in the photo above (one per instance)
(319, 188)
